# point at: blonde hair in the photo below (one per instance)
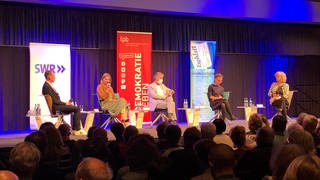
(283, 77)
(105, 75)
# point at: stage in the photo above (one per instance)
(9, 140)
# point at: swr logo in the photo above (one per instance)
(41, 68)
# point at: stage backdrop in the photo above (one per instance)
(202, 55)
(44, 57)
(134, 68)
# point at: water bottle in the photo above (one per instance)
(250, 102)
(245, 102)
(185, 103)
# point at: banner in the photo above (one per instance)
(44, 57)
(202, 55)
(134, 68)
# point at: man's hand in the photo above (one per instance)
(69, 103)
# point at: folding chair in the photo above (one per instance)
(160, 115)
(59, 117)
(111, 118)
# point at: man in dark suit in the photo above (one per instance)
(58, 105)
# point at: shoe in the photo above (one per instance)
(80, 132)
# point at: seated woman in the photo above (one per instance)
(279, 92)
(108, 101)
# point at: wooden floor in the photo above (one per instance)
(9, 140)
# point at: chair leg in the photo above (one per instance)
(106, 123)
(156, 120)
(164, 117)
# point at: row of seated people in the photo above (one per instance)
(286, 150)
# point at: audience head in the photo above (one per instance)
(24, 159)
(46, 124)
(282, 157)
(265, 122)
(117, 130)
(93, 169)
(142, 152)
(91, 130)
(304, 167)
(208, 130)
(173, 134)
(302, 138)
(265, 137)
(190, 136)
(201, 149)
(255, 122)
(39, 139)
(280, 76)
(100, 133)
(279, 124)
(293, 127)
(301, 117)
(129, 132)
(65, 130)
(95, 147)
(55, 145)
(310, 123)
(238, 136)
(220, 125)
(221, 158)
(161, 129)
(8, 175)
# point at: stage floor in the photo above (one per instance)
(9, 140)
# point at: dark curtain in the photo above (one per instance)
(14, 88)
(93, 28)
(305, 76)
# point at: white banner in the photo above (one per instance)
(44, 57)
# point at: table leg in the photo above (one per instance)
(89, 121)
(196, 117)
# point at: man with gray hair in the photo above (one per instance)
(160, 96)
(93, 169)
(24, 159)
(208, 130)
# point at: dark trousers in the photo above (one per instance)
(224, 106)
(282, 105)
(65, 109)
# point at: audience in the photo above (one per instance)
(212, 153)
(208, 130)
(238, 136)
(220, 136)
(24, 159)
(8, 175)
(93, 169)
(222, 160)
(279, 124)
(201, 149)
(282, 157)
(255, 163)
(309, 124)
(303, 167)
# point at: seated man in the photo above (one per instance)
(160, 97)
(58, 105)
(216, 99)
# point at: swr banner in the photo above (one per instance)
(134, 67)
